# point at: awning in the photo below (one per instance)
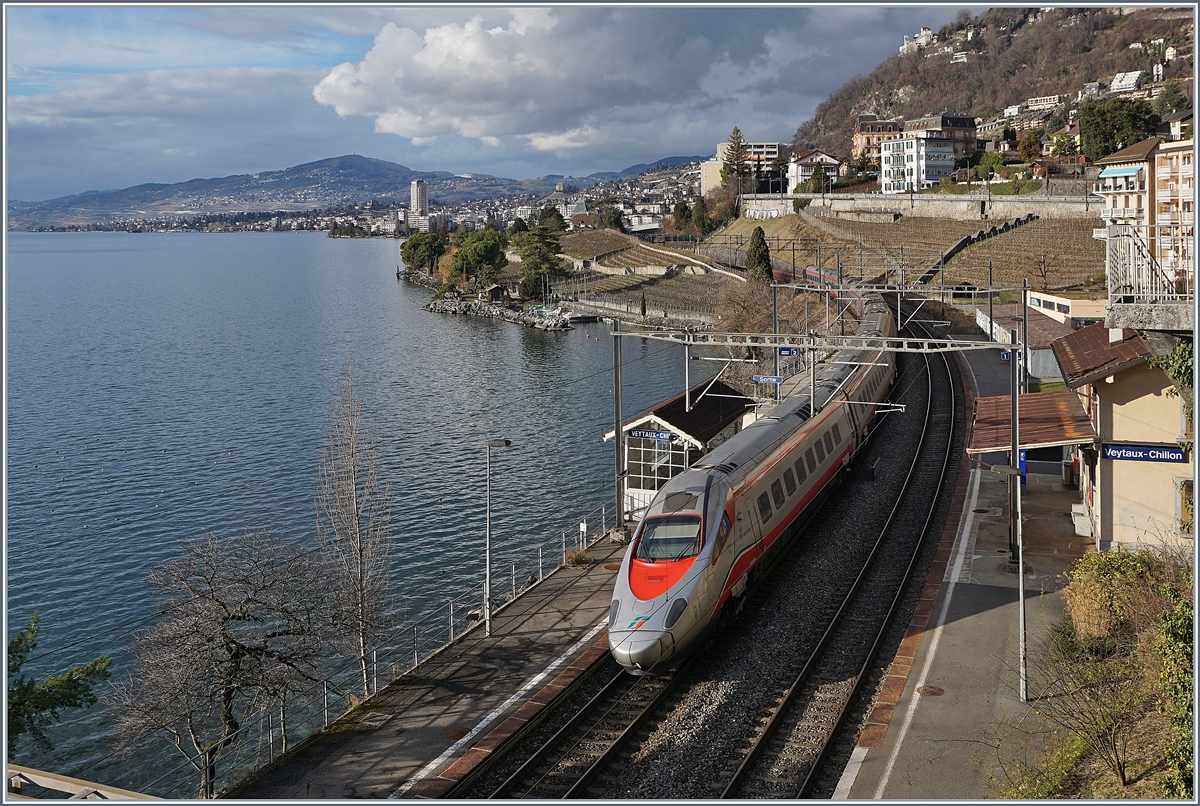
(1130, 171)
(1048, 419)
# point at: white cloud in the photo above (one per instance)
(576, 81)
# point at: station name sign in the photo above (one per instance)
(1145, 453)
(662, 436)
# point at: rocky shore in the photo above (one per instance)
(486, 309)
(416, 277)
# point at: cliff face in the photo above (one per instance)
(1024, 53)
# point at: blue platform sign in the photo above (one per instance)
(661, 436)
(768, 379)
(789, 351)
(1145, 453)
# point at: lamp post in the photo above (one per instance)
(487, 546)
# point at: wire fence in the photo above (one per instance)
(431, 618)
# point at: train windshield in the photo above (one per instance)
(670, 537)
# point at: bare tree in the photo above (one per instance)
(242, 627)
(353, 508)
(1042, 266)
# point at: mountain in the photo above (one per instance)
(642, 167)
(1025, 53)
(314, 185)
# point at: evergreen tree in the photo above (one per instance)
(552, 219)
(736, 154)
(682, 215)
(517, 227)
(1171, 98)
(700, 217)
(539, 258)
(758, 258)
(481, 256)
(33, 706)
(1113, 125)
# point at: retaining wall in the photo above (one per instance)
(962, 208)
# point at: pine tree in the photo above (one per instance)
(33, 706)
(736, 155)
(758, 258)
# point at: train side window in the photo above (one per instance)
(812, 464)
(837, 434)
(828, 443)
(722, 535)
(789, 481)
(820, 451)
(777, 494)
(800, 474)
(764, 507)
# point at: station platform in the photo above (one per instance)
(417, 727)
(955, 681)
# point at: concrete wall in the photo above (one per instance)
(962, 208)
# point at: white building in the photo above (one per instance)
(419, 197)
(913, 162)
(758, 155)
(1126, 82)
(802, 166)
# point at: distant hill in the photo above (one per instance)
(642, 167)
(314, 185)
(1025, 53)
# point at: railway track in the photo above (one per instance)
(595, 737)
(784, 760)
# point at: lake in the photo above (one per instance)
(160, 386)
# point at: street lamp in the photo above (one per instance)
(487, 550)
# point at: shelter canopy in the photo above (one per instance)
(1047, 419)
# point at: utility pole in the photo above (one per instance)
(619, 438)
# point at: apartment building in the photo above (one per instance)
(869, 133)
(1173, 239)
(418, 193)
(958, 129)
(915, 161)
(759, 157)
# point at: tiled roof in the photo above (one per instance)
(1086, 355)
(1135, 152)
(1046, 419)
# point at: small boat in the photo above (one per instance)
(580, 317)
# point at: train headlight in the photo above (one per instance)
(612, 613)
(677, 608)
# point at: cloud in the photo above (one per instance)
(112, 97)
(101, 132)
(581, 81)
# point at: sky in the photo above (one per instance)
(101, 98)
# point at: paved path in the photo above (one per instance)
(453, 698)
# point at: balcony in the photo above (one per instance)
(1110, 213)
(1143, 294)
(1181, 218)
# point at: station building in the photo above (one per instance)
(1135, 479)
(664, 441)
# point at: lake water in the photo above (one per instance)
(164, 385)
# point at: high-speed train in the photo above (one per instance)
(711, 529)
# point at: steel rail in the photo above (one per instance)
(546, 748)
(505, 747)
(789, 694)
(811, 778)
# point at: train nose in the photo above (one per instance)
(641, 653)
